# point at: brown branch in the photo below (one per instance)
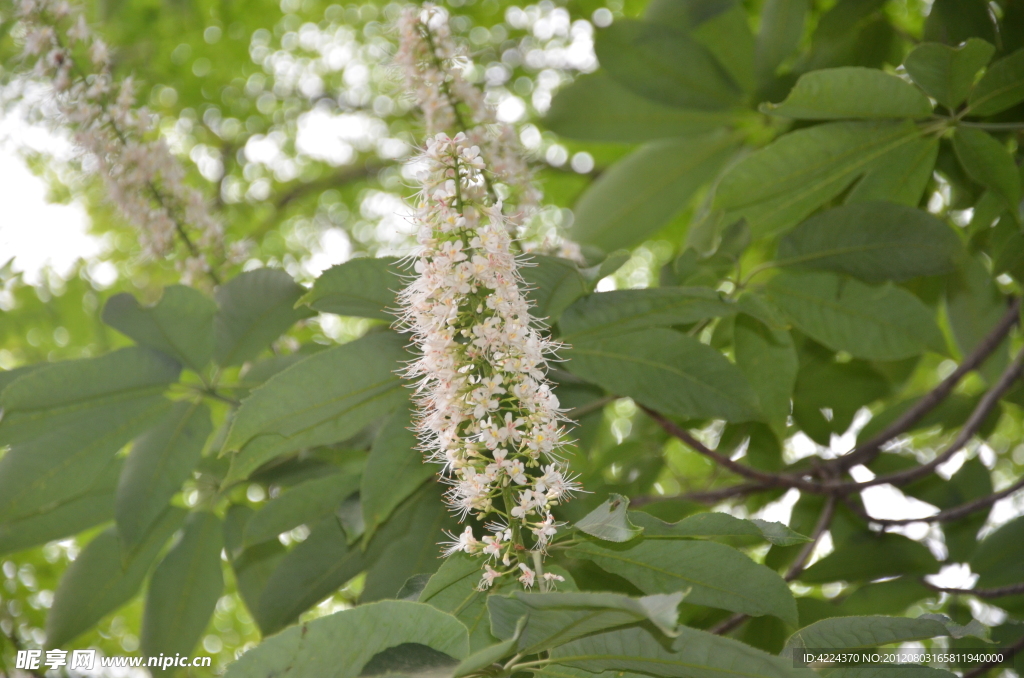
(947, 515)
(995, 592)
(703, 496)
(1008, 654)
(868, 450)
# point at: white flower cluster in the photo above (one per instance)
(143, 178)
(434, 68)
(487, 411)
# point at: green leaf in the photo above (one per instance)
(180, 324)
(718, 575)
(453, 589)
(851, 92)
(609, 521)
(989, 163)
(769, 361)
(9, 376)
(490, 655)
(999, 558)
(668, 371)
(953, 21)
(873, 241)
(899, 671)
(341, 644)
(394, 469)
(727, 36)
(303, 504)
(609, 313)
(299, 407)
(99, 580)
(554, 619)
(782, 26)
(552, 284)
(160, 461)
(65, 422)
(974, 304)
(852, 633)
(664, 65)
(254, 309)
(639, 194)
(779, 185)
(876, 323)
(596, 108)
(716, 525)
(184, 589)
(362, 287)
(869, 556)
(694, 654)
(902, 178)
(1001, 87)
(947, 73)
(90, 505)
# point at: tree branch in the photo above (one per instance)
(703, 496)
(995, 592)
(867, 451)
(1007, 655)
(948, 515)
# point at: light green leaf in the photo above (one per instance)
(184, 589)
(643, 191)
(1001, 87)
(718, 575)
(326, 398)
(902, 178)
(90, 505)
(362, 287)
(99, 580)
(160, 461)
(554, 619)
(852, 633)
(664, 65)
(782, 26)
(596, 108)
(9, 376)
(394, 469)
(869, 556)
(609, 521)
(716, 525)
(254, 309)
(303, 504)
(947, 73)
(668, 371)
(341, 644)
(989, 163)
(851, 92)
(876, 323)
(609, 313)
(694, 654)
(873, 241)
(727, 36)
(65, 421)
(180, 324)
(781, 184)
(769, 361)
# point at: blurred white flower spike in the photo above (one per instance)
(486, 410)
(142, 176)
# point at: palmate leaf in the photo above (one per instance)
(325, 398)
(837, 93)
(342, 644)
(989, 163)
(782, 26)
(1001, 87)
(947, 73)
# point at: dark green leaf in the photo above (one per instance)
(947, 73)
(552, 284)
(875, 323)
(727, 36)
(852, 633)
(609, 521)
(99, 580)
(953, 21)
(341, 644)
(184, 589)
(999, 558)
(1001, 87)
(716, 525)
(596, 108)
(180, 324)
(769, 361)
(326, 398)
(975, 305)
(873, 241)
(892, 596)
(304, 504)
(454, 589)
(65, 421)
(362, 287)
(718, 575)
(254, 309)
(608, 313)
(902, 178)
(989, 163)
(868, 556)
(643, 191)
(782, 26)
(665, 65)
(9, 376)
(837, 93)
(160, 461)
(668, 371)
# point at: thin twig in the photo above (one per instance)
(1008, 654)
(578, 413)
(995, 592)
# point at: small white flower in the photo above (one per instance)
(528, 575)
